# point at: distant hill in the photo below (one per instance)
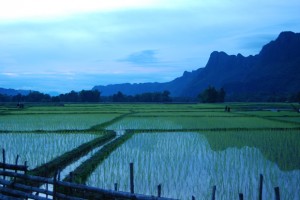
(274, 71)
(13, 92)
(175, 87)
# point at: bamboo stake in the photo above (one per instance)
(131, 179)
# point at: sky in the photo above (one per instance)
(59, 46)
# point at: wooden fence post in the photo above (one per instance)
(47, 188)
(71, 180)
(55, 185)
(159, 190)
(277, 193)
(3, 156)
(214, 193)
(25, 172)
(17, 159)
(241, 196)
(16, 171)
(58, 173)
(131, 179)
(261, 178)
(71, 177)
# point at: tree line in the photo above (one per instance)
(209, 95)
(35, 96)
(212, 95)
(144, 97)
(83, 96)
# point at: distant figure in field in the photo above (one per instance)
(227, 109)
(20, 105)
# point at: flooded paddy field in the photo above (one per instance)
(187, 148)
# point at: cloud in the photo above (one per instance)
(9, 74)
(144, 57)
(66, 82)
(36, 9)
(50, 9)
(254, 42)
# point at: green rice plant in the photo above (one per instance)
(38, 149)
(185, 165)
(271, 113)
(229, 122)
(88, 166)
(69, 160)
(289, 119)
(68, 109)
(52, 121)
(260, 106)
(281, 147)
(144, 123)
(187, 113)
(198, 123)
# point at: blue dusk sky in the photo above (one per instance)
(64, 45)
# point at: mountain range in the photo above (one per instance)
(274, 71)
(13, 92)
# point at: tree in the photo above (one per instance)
(295, 97)
(166, 96)
(119, 97)
(89, 96)
(4, 98)
(69, 97)
(18, 98)
(144, 97)
(211, 95)
(55, 99)
(221, 95)
(37, 97)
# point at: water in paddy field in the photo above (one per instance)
(38, 149)
(185, 165)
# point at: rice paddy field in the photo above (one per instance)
(187, 148)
